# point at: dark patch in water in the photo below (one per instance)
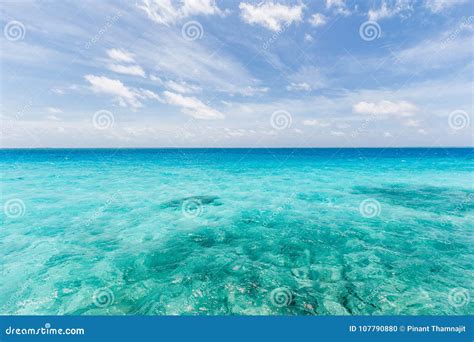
(441, 200)
(204, 200)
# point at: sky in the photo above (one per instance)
(204, 73)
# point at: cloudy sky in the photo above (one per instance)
(204, 73)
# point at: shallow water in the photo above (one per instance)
(237, 231)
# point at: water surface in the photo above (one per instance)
(237, 231)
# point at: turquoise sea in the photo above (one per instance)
(237, 231)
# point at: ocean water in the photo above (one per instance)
(237, 231)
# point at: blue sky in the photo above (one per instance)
(192, 73)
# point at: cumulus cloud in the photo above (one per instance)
(192, 106)
(169, 12)
(318, 19)
(401, 108)
(120, 55)
(125, 96)
(133, 70)
(271, 15)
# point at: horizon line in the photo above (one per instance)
(240, 147)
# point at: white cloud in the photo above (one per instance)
(192, 106)
(169, 12)
(54, 110)
(271, 15)
(126, 97)
(314, 122)
(303, 86)
(422, 131)
(337, 133)
(58, 91)
(120, 55)
(388, 11)
(309, 77)
(451, 47)
(437, 6)
(204, 7)
(412, 123)
(339, 6)
(156, 79)
(308, 37)
(53, 118)
(134, 70)
(251, 91)
(401, 108)
(203, 65)
(148, 94)
(182, 87)
(318, 19)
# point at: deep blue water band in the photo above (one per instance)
(242, 329)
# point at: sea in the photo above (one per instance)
(241, 231)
